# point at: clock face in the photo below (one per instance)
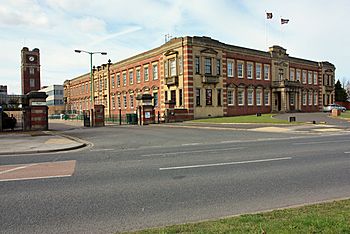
(31, 58)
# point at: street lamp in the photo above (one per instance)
(91, 78)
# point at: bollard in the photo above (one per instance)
(292, 118)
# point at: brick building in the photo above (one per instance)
(204, 77)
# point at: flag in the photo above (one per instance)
(284, 21)
(268, 15)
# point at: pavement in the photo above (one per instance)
(37, 142)
(54, 141)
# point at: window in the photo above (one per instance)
(219, 97)
(230, 97)
(124, 78)
(310, 98)
(291, 99)
(32, 83)
(112, 81)
(250, 71)
(230, 69)
(173, 95)
(166, 70)
(267, 97)
(298, 75)
(131, 77)
(198, 97)
(113, 101)
(292, 75)
(304, 98)
(197, 65)
(309, 77)
(145, 74)
(155, 71)
(105, 84)
(155, 99)
(241, 97)
(240, 71)
(258, 71)
(315, 78)
(180, 97)
(125, 103)
(258, 97)
(315, 99)
(166, 95)
(172, 64)
(207, 64)
(132, 101)
(181, 65)
(138, 76)
(304, 77)
(118, 80)
(250, 97)
(31, 70)
(208, 97)
(119, 102)
(266, 72)
(218, 67)
(101, 85)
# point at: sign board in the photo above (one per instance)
(38, 103)
(147, 115)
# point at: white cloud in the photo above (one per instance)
(22, 12)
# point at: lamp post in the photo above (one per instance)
(91, 78)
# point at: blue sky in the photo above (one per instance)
(317, 30)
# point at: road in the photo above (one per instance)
(138, 177)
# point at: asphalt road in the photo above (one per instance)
(139, 177)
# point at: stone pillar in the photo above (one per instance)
(98, 116)
(35, 115)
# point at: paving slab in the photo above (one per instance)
(36, 142)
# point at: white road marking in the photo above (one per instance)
(224, 164)
(347, 152)
(94, 150)
(36, 178)
(16, 169)
(189, 144)
(318, 142)
(194, 151)
(237, 141)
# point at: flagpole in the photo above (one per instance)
(281, 31)
(265, 30)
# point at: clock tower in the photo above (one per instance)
(30, 70)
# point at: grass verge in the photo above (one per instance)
(345, 115)
(332, 217)
(265, 118)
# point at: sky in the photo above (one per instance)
(317, 30)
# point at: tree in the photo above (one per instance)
(340, 93)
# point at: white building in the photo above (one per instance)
(55, 98)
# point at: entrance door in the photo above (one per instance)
(292, 101)
(279, 101)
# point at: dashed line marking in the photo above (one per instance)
(223, 164)
(194, 151)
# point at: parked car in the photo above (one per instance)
(330, 107)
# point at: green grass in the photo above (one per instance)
(333, 217)
(265, 118)
(345, 115)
